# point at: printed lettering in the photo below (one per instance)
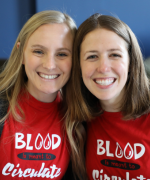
(100, 149)
(8, 167)
(131, 166)
(119, 152)
(28, 142)
(120, 164)
(18, 140)
(42, 167)
(95, 174)
(106, 177)
(24, 156)
(45, 173)
(114, 177)
(58, 172)
(107, 149)
(127, 152)
(14, 171)
(55, 145)
(101, 176)
(38, 141)
(46, 143)
(140, 154)
(36, 156)
(51, 172)
(141, 177)
(127, 175)
(27, 172)
(106, 162)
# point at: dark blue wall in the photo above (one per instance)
(13, 14)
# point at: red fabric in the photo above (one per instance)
(36, 148)
(117, 149)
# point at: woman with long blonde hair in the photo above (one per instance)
(33, 143)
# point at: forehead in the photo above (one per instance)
(59, 29)
(104, 37)
(50, 34)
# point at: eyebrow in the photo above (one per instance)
(43, 47)
(95, 51)
(115, 50)
(66, 49)
(91, 51)
(39, 46)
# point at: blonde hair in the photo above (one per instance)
(13, 77)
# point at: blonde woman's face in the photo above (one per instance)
(104, 63)
(48, 60)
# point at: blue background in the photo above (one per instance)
(14, 13)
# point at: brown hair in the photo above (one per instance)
(85, 106)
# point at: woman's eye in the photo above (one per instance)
(115, 55)
(62, 54)
(92, 57)
(39, 52)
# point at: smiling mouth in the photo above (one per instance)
(48, 76)
(105, 82)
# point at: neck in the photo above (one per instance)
(110, 106)
(114, 104)
(42, 96)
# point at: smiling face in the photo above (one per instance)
(104, 63)
(48, 60)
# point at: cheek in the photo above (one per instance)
(30, 61)
(30, 68)
(66, 66)
(87, 70)
(122, 71)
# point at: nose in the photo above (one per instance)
(49, 62)
(103, 65)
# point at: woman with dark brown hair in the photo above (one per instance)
(110, 91)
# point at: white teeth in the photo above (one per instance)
(48, 76)
(105, 82)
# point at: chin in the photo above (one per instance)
(105, 98)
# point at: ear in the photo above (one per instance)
(18, 44)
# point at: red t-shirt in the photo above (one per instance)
(36, 148)
(118, 149)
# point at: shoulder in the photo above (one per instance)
(3, 111)
(3, 107)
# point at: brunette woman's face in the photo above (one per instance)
(104, 63)
(48, 60)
